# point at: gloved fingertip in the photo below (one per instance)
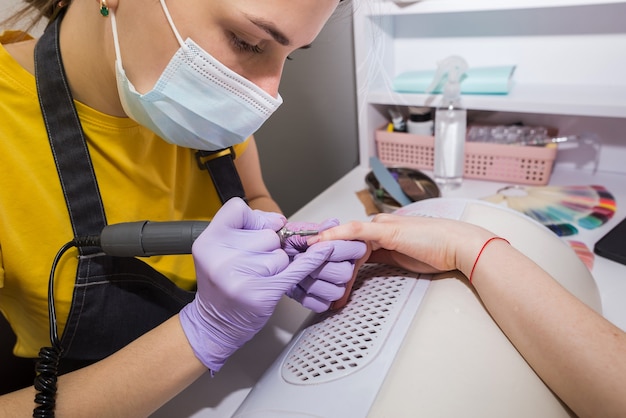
(362, 249)
(270, 220)
(325, 247)
(276, 217)
(235, 201)
(345, 250)
(315, 305)
(319, 308)
(329, 223)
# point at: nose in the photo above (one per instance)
(269, 79)
(270, 84)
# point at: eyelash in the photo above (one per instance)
(244, 46)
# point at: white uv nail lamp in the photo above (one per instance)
(409, 346)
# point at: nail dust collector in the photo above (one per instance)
(408, 346)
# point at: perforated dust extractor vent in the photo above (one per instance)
(342, 352)
(342, 343)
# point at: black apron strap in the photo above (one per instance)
(65, 133)
(223, 173)
(115, 299)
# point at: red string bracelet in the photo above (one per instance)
(481, 251)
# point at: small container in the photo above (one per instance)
(397, 120)
(415, 184)
(450, 145)
(450, 124)
(420, 121)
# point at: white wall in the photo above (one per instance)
(8, 8)
(312, 140)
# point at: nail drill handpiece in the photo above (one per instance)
(146, 238)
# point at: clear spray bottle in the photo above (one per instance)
(450, 124)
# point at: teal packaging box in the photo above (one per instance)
(480, 80)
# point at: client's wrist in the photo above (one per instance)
(479, 259)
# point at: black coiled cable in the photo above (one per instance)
(46, 381)
(48, 363)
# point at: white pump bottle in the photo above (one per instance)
(450, 124)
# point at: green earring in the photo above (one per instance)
(104, 9)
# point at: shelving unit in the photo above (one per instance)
(569, 75)
(569, 68)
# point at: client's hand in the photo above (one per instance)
(333, 279)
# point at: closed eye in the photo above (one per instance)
(244, 46)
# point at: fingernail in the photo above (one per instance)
(313, 240)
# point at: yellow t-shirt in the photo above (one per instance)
(140, 176)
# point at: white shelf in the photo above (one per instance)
(565, 66)
(388, 7)
(602, 101)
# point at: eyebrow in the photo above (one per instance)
(270, 29)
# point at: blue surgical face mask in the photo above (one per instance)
(197, 102)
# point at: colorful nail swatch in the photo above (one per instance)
(583, 252)
(563, 209)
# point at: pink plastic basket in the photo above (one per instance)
(484, 161)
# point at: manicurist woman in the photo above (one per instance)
(127, 110)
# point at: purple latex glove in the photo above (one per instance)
(327, 283)
(242, 274)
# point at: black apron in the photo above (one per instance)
(115, 299)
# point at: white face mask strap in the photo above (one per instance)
(116, 41)
(171, 22)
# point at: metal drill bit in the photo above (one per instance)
(285, 233)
